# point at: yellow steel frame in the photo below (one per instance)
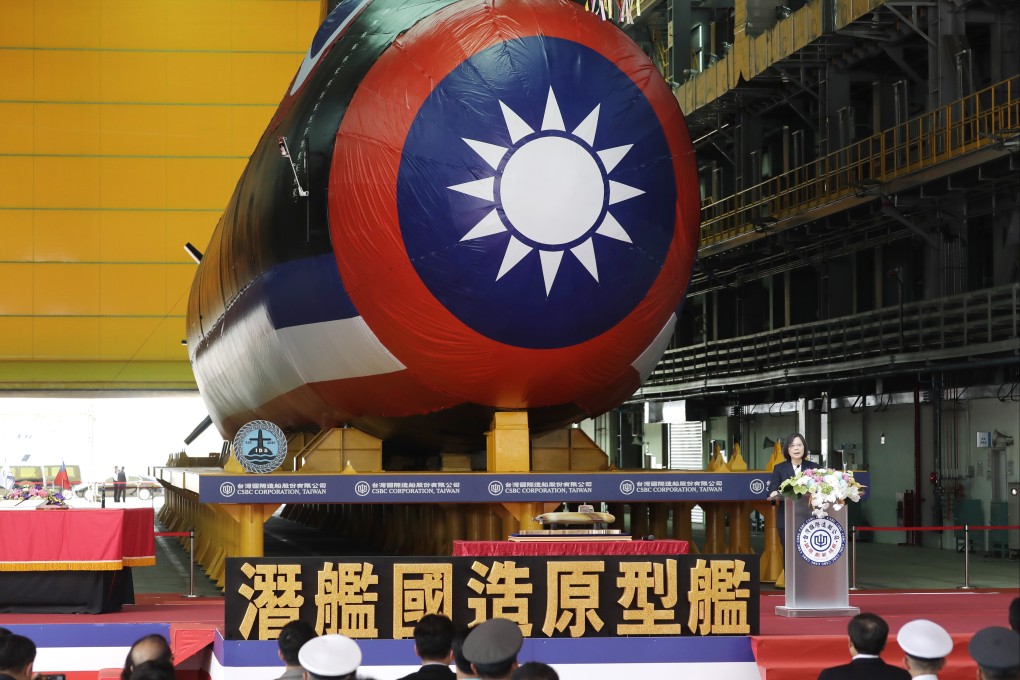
(976, 122)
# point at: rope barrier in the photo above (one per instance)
(182, 534)
(966, 544)
(959, 527)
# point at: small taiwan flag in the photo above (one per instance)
(61, 479)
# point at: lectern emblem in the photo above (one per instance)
(821, 540)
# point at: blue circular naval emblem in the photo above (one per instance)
(821, 540)
(260, 446)
(538, 210)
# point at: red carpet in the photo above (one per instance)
(150, 608)
(784, 652)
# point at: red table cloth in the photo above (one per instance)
(566, 548)
(76, 539)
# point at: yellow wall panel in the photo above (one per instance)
(65, 337)
(188, 227)
(268, 26)
(129, 130)
(175, 332)
(261, 78)
(198, 131)
(204, 183)
(16, 27)
(132, 338)
(15, 337)
(16, 125)
(67, 182)
(128, 236)
(197, 24)
(16, 236)
(16, 287)
(197, 78)
(67, 236)
(113, 177)
(66, 129)
(178, 287)
(132, 289)
(133, 183)
(16, 75)
(133, 24)
(16, 181)
(248, 124)
(66, 289)
(133, 77)
(59, 23)
(67, 76)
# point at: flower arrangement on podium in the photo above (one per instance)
(826, 487)
(30, 492)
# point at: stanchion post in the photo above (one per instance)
(966, 558)
(853, 563)
(191, 556)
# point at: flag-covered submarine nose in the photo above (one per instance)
(480, 205)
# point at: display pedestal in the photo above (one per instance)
(816, 563)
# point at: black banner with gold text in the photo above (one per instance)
(588, 596)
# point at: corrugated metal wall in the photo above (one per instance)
(685, 453)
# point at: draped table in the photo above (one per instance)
(72, 560)
(549, 548)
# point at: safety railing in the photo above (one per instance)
(966, 545)
(971, 323)
(972, 123)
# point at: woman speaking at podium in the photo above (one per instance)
(795, 453)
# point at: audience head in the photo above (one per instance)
(789, 440)
(433, 638)
(534, 670)
(996, 651)
(330, 657)
(4, 632)
(149, 648)
(868, 633)
(17, 656)
(492, 648)
(926, 643)
(459, 660)
(153, 670)
(1014, 614)
(292, 636)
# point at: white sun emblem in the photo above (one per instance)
(552, 190)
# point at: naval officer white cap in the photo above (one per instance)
(330, 655)
(924, 639)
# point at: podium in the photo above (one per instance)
(816, 562)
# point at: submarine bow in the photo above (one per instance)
(501, 213)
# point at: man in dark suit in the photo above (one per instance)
(867, 633)
(122, 484)
(433, 643)
(795, 453)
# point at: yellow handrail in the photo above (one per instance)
(969, 124)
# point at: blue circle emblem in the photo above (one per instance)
(260, 446)
(821, 541)
(536, 193)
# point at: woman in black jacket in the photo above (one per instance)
(795, 453)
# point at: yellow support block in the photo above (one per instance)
(507, 444)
